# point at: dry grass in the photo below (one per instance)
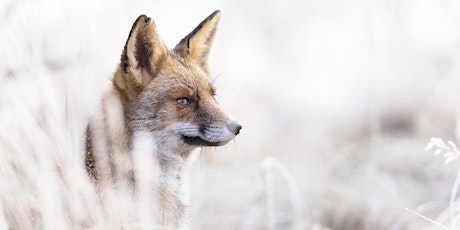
(336, 99)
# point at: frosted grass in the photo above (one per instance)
(344, 94)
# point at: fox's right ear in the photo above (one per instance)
(143, 51)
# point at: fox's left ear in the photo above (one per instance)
(195, 46)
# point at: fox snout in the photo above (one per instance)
(208, 135)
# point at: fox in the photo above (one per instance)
(158, 110)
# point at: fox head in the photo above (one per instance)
(167, 92)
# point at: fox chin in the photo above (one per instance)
(159, 108)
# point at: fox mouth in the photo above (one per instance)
(198, 141)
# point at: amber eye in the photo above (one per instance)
(183, 101)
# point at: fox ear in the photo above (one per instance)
(195, 46)
(143, 51)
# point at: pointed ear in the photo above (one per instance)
(143, 51)
(195, 46)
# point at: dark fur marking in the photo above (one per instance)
(186, 39)
(144, 51)
(197, 141)
(90, 163)
(124, 61)
(202, 129)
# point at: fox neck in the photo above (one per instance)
(136, 162)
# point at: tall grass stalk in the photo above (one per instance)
(268, 166)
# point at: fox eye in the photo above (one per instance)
(184, 101)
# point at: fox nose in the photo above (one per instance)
(234, 127)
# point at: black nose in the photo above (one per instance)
(234, 127)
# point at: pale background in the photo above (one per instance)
(342, 96)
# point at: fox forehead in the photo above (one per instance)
(176, 74)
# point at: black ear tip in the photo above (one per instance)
(215, 13)
(143, 18)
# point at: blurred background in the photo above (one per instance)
(337, 99)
